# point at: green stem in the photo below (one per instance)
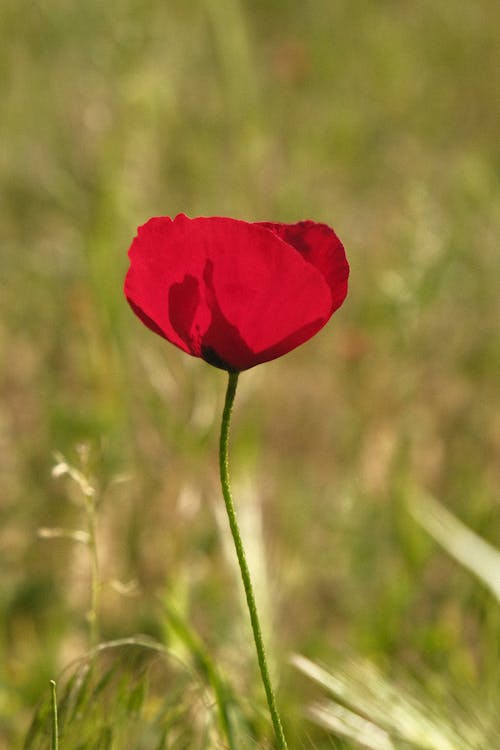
(53, 708)
(240, 552)
(95, 583)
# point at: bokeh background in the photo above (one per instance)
(379, 118)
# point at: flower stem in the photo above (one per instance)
(240, 553)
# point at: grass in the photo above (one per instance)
(380, 119)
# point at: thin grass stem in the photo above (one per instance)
(95, 582)
(53, 709)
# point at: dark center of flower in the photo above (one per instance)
(211, 356)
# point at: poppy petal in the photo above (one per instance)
(319, 245)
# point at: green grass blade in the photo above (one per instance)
(466, 547)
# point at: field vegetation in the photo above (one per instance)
(117, 578)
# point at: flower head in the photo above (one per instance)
(232, 292)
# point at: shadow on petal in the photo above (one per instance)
(223, 345)
(183, 302)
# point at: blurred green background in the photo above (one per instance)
(379, 118)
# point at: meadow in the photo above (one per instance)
(365, 464)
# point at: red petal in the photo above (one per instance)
(319, 245)
(163, 283)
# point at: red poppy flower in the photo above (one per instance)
(232, 292)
